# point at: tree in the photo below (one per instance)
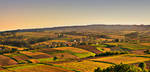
(55, 58)
(60, 35)
(116, 40)
(147, 51)
(142, 65)
(132, 37)
(98, 70)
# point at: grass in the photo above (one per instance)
(10, 47)
(133, 46)
(20, 66)
(36, 54)
(112, 44)
(55, 52)
(35, 34)
(100, 49)
(99, 45)
(126, 59)
(61, 67)
(145, 56)
(83, 55)
(74, 51)
(145, 44)
(104, 62)
(84, 66)
(24, 66)
(129, 46)
(14, 54)
(46, 60)
(6, 61)
(80, 55)
(35, 68)
(48, 42)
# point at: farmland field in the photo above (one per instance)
(36, 55)
(48, 42)
(77, 50)
(72, 52)
(84, 66)
(36, 68)
(6, 61)
(81, 53)
(37, 34)
(126, 59)
(91, 48)
(10, 47)
(145, 44)
(17, 56)
(130, 46)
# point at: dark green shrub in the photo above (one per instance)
(98, 70)
(55, 58)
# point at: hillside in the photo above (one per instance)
(74, 48)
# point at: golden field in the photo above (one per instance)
(36, 68)
(125, 59)
(84, 66)
(73, 49)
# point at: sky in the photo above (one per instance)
(23, 14)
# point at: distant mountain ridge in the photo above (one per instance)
(90, 27)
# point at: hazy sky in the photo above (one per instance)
(18, 14)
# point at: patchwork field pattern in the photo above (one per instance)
(65, 56)
(6, 61)
(36, 68)
(36, 34)
(126, 59)
(17, 56)
(90, 48)
(84, 66)
(36, 55)
(49, 42)
(71, 52)
(10, 47)
(81, 53)
(145, 44)
(73, 49)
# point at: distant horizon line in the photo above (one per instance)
(74, 26)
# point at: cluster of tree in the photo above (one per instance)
(13, 39)
(55, 45)
(74, 33)
(10, 50)
(15, 42)
(147, 51)
(124, 68)
(112, 53)
(132, 37)
(36, 40)
(22, 42)
(89, 34)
